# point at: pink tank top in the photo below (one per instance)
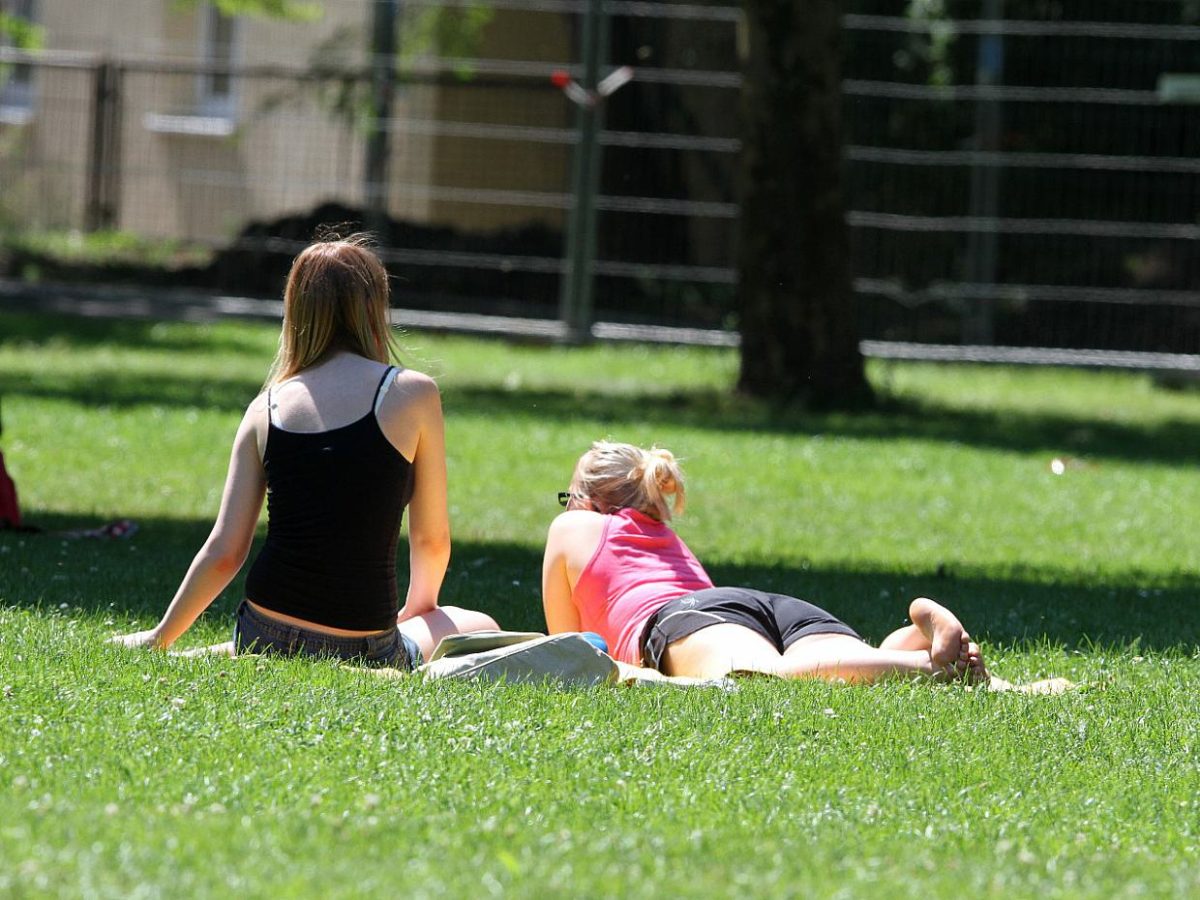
(640, 565)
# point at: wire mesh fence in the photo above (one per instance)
(1019, 173)
(1029, 179)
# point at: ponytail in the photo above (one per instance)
(662, 479)
(621, 476)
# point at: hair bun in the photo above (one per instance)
(661, 462)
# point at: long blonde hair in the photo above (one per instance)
(618, 476)
(336, 299)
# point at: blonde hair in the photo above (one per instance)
(617, 476)
(336, 299)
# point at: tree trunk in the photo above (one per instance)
(799, 331)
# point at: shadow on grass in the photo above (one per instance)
(1170, 441)
(138, 576)
(214, 391)
(135, 334)
(133, 391)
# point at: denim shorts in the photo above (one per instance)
(256, 633)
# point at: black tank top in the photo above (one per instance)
(334, 504)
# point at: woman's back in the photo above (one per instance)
(337, 486)
(638, 565)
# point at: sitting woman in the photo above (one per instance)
(614, 566)
(340, 442)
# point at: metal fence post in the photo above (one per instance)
(383, 89)
(978, 324)
(575, 296)
(104, 163)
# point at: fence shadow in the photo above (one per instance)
(131, 390)
(1167, 441)
(84, 332)
(136, 578)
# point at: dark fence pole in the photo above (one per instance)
(383, 89)
(978, 323)
(575, 297)
(104, 164)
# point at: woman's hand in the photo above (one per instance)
(150, 639)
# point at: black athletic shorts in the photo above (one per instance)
(782, 620)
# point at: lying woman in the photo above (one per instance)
(340, 443)
(614, 566)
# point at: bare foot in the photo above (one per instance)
(949, 642)
(976, 672)
(955, 671)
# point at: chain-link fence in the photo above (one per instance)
(1018, 172)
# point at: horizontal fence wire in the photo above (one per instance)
(1023, 160)
(690, 12)
(992, 225)
(1021, 28)
(855, 87)
(940, 293)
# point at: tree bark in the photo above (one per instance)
(798, 324)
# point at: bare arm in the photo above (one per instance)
(560, 610)
(223, 554)
(570, 543)
(429, 519)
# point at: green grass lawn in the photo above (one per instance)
(138, 774)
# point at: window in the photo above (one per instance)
(218, 32)
(16, 80)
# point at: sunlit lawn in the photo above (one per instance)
(139, 774)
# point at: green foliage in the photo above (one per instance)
(294, 10)
(103, 248)
(20, 32)
(929, 51)
(142, 774)
(446, 31)
(449, 31)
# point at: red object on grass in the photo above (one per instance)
(10, 513)
(560, 78)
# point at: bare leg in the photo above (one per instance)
(717, 650)
(839, 657)
(429, 629)
(909, 637)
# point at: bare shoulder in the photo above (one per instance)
(572, 540)
(412, 388)
(576, 524)
(258, 406)
(254, 423)
(411, 415)
(411, 379)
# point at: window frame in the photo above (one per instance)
(209, 102)
(18, 92)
